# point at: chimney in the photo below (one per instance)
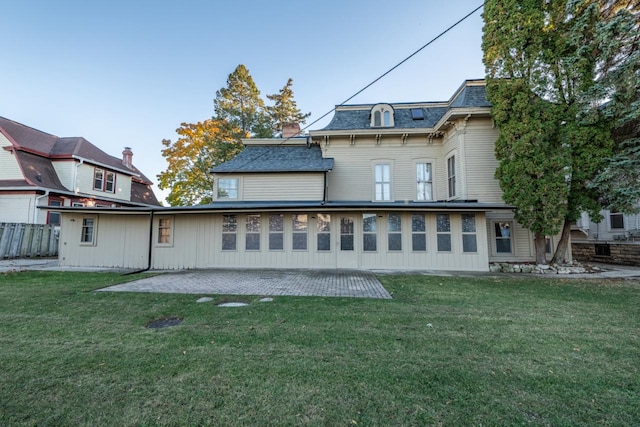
(127, 157)
(289, 130)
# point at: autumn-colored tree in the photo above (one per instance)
(200, 147)
(285, 110)
(239, 103)
(546, 81)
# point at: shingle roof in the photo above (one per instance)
(39, 171)
(142, 193)
(469, 96)
(281, 158)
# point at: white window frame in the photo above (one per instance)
(382, 182)
(108, 181)
(382, 116)
(371, 233)
(252, 229)
(220, 188)
(299, 229)
(452, 190)
(323, 227)
(229, 228)
(96, 172)
(165, 231)
(93, 227)
(506, 234)
(276, 228)
(391, 232)
(469, 232)
(443, 232)
(422, 232)
(421, 194)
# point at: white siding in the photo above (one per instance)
(65, 171)
(121, 241)
(479, 161)
(283, 186)
(9, 167)
(18, 208)
(85, 184)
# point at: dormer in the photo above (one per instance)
(382, 116)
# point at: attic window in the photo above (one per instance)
(382, 116)
(417, 114)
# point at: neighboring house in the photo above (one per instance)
(386, 186)
(39, 169)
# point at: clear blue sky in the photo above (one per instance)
(128, 72)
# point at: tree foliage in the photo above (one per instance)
(239, 103)
(285, 110)
(190, 158)
(550, 67)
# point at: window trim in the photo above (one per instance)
(419, 232)
(50, 213)
(447, 232)
(431, 164)
(610, 225)
(381, 164)
(233, 232)
(323, 232)
(295, 232)
(95, 179)
(273, 232)
(495, 238)
(106, 182)
(452, 190)
(382, 116)
(473, 233)
(237, 188)
(394, 233)
(366, 233)
(248, 233)
(160, 227)
(94, 230)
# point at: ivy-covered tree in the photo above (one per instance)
(285, 110)
(239, 103)
(190, 158)
(545, 79)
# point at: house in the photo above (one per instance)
(383, 186)
(40, 169)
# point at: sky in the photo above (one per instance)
(127, 73)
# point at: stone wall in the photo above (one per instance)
(607, 252)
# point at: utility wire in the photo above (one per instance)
(369, 85)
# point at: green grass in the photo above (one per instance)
(444, 351)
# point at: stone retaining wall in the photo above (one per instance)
(607, 252)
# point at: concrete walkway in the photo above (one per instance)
(325, 283)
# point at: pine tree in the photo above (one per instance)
(285, 110)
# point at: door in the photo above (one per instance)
(347, 254)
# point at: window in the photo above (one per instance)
(394, 232)
(98, 179)
(469, 239)
(502, 234)
(382, 177)
(451, 175)
(77, 204)
(228, 188)
(88, 233)
(252, 235)
(53, 218)
(369, 232)
(299, 235)
(418, 233)
(164, 231)
(616, 220)
(346, 234)
(443, 229)
(424, 181)
(229, 232)
(276, 232)
(323, 229)
(110, 182)
(417, 114)
(382, 116)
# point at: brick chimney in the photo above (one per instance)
(127, 157)
(290, 130)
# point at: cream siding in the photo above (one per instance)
(85, 183)
(289, 186)
(120, 241)
(18, 208)
(9, 167)
(479, 161)
(65, 171)
(352, 175)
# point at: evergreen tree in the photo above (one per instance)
(239, 103)
(285, 110)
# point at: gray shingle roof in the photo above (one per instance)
(468, 97)
(280, 158)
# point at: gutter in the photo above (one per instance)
(35, 207)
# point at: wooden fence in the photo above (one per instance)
(28, 240)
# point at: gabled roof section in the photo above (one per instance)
(279, 158)
(142, 193)
(472, 94)
(39, 171)
(31, 140)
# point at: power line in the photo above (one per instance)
(458, 22)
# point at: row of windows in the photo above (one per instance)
(299, 228)
(228, 187)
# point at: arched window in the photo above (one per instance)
(382, 116)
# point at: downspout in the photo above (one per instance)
(150, 248)
(35, 207)
(324, 189)
(75, 176)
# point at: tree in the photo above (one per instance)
(200, 147)
(285, 110)
(546, 81)
(239, 103)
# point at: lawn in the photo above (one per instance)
(445, 351)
